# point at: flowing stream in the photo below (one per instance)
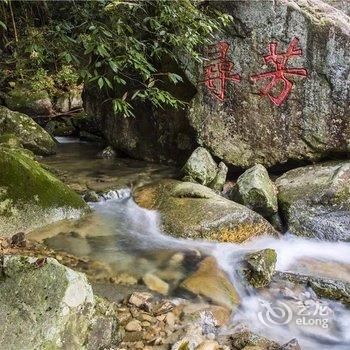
(128, 238)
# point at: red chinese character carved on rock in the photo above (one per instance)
(219, 70)
(280, 60)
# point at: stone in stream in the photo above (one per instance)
(30, 196)
(200, 167)
(261, 267)
(91, 196)
(31, 135)
(212, 283)
(291, 345)
(243, 339)
(315, 200)
(195, 211)
(156, 284)
(255, 190)
(45, 305)
(324, 287)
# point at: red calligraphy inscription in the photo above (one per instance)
(280, 60)
(218, 72)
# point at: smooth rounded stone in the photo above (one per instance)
(212, 283)
(200, 167)
(31, 135)
(91, 196)
(208, 345)
(315, 200)
(194, 211)
(156, 284)
(255, 190)
(31, 197)
(261, 267)
(220, 178)
(220, 314)
(33, 103)
(133, 326)
(43, 304)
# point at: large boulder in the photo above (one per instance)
(194, 211)
(33, 103)
(31, 196)
(255, 190)
(45, 305)
(315, 200)
(31, 135)
(245, 126)
(160, 135)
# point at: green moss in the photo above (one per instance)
(26, 181)
(19, 99)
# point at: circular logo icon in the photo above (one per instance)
(274, 314)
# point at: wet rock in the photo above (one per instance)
(324, 287)
(163, 307)
(156, 284)
(261, 267)
(194, 211)
(220, 178)
(29, 102)
(31, 135)
(291, 345)
(200, 167)
(133, 326)
(212, 283)
(315, 200)
(255, 190)
(91, 196)
(208, 345)
(43, 305)
(240, 340)
(30, 196)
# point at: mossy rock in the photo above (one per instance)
(261, 267)
(33, 103)
(315, 200)
(191, 210)
(31, 135)
(46, 305)
(31, 196)
(255, 190)
(10, 140)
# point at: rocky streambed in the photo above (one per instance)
(148, 290)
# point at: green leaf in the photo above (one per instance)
(3, 25)
(100, 82)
